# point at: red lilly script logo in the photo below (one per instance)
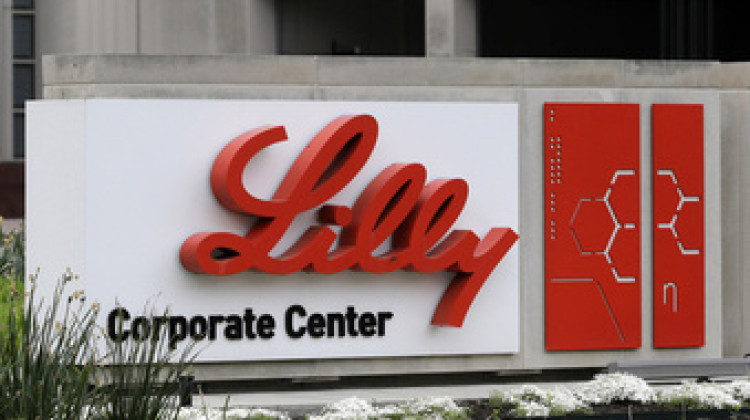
(395, 204)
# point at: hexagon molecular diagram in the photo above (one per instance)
(592, 223)
(679, 250)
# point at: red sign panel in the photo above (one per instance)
(592, 226)
(679, 251)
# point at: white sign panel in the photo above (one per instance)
(116, 187)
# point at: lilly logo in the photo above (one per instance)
(396, 204)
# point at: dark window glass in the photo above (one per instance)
(570, 28)
(730, 28)
(19, 131)
(23, 4)
(23, 36)
(23, 84)
(349, 27)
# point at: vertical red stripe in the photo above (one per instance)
(592, 226)
(679, 245)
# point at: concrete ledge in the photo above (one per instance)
(735, 75)
(412, 71)
(699, 74)
(334, 368)
(178, 69)
(387, 71)
(685, 368)
(418, 93)
(593, 73)
(181, 91)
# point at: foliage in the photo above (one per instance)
(139, 379)
(206, 413)
(694, 396)
(425, 408)
(739, 391)
(51, 368)
(615, 388)
(46, 366)
(11, 281)
(12, 253)
(530, 400)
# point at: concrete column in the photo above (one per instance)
(157, 26)
(87, 26)
(450, 28)
(261, 23)
(207, 27)
(733, 130)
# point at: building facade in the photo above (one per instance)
(445, 51)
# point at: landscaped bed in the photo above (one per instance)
(607, 396)
(50, 369)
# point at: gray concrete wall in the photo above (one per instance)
(451, 28)
(736, 217)
(721, 88)
(157, 26)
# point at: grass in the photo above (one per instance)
(46, 365)
(139, 379)
(52, 365)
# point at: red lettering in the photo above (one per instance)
(396, 204)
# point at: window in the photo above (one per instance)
(352, 27)
(19, 130)
(23, 84)
(626, 29)
(24, 68)
(570, 29)
(23, 36)
(23, 4)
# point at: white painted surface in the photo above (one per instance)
(133, 175)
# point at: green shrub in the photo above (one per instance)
(12, 253)
(140, 378)
(11, 281)
(45, 366)
(52, 367)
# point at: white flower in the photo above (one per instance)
(740, 390)
(563, 401)
(207, 413)
(352, 408)
(531, 409)
(613, 387)
(530, 393)
(244, 413)
(529, 398)
(433, 407)
(696, 395)
(191, 413)
(389, 412)
(359, 409)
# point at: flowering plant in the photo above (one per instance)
(615, 388)
(440, 408)
(230, 414)
(695, 395)
(530, 400)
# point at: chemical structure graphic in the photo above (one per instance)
(595, 225)
(682, 201)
